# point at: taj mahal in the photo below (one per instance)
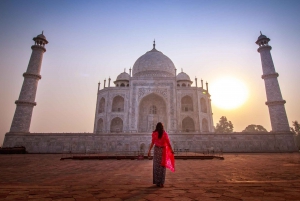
(151, 92)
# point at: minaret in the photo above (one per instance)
(275, 103)
(26, 101)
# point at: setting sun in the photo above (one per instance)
(228, 93)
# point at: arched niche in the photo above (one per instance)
(186, 104)
(188, 125)
(101, 108)
(183, 85)
(118, 104)
(116, 125)
(203, 105)
(100, 126)
(152, 109)
(204, 125)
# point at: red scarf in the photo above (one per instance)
(168, 160)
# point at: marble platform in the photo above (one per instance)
(131, 142)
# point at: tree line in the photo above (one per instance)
(225, 126)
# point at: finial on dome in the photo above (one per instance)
(124, 70)
(43, 32)
(154, 44)
(260, 33)
(181, 70)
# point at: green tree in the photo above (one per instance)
(254, 128)
(224, 126)
(296, 131)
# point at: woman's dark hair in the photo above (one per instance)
(160, 129)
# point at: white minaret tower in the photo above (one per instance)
(26, 101)
(279, 121)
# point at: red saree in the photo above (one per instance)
(168, 160)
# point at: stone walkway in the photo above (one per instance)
(238, 177)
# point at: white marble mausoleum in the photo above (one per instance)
(153, 93)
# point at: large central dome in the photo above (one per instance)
(153, 64)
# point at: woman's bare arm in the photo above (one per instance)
(149, 152)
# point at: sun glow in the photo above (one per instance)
(228, 93)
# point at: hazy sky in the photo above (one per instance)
(92, 40)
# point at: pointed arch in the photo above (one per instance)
(118, 104)
(186, 104)
(100, 126)
(152, 109)
(203, 105)
(204, 125)
(116, 125)
(101, 108)
(188, 125)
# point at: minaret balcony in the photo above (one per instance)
(265, 47)
(38, 47)
(273, 75)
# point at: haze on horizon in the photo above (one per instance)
(91, 41)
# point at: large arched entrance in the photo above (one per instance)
(152, 109)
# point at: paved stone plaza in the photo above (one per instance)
(238, 177)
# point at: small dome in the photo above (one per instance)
(183, 77)
(123, 76)
(261, 37)
(41, 36)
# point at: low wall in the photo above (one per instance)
(121, 142)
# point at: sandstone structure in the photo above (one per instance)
(127, 113)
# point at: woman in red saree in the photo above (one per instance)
(163, 155)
